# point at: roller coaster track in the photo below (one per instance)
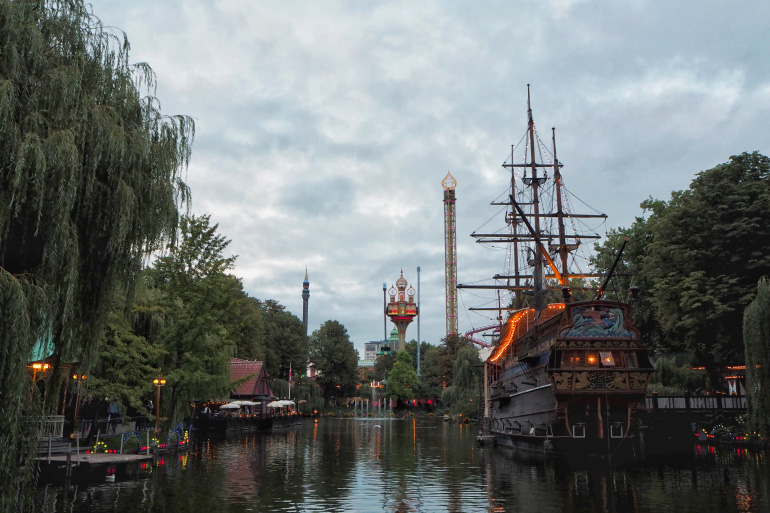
(469, 335)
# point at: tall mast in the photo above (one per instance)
(517, 303)
(563, 250)
(535, 183)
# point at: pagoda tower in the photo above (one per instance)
(401, 309)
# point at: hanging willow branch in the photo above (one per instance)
(90, 182)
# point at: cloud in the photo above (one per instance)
(324, 129)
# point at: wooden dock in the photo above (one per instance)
(96, 459)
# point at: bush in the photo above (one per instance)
(672, 378)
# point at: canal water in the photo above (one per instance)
(409, 465)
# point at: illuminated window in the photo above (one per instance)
(572, 359)
(607, 359)
(593, 360)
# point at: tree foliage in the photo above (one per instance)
(401, 382)
(382, 365)
(196, 296)
(127, 362)
(697, 258)
(629, 271)
(432, 373)
(285, 340)
(462, 395)
(90, 182)
(334, 356)
(709, 248)
(756, 337)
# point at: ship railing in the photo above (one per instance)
(548, 329)
(713, 402)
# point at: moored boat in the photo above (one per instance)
(568, 372)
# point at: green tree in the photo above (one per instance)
(285, 340)
(334, 356)
(401, 382)
(382, 365)
(127, 362)
(462, 396)
(629, 271)
(710, 245)
(432, 373)
(244, 321)
(411, 348)
(90, 183)
(756, 337)
(196, 295)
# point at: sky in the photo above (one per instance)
(324, 129)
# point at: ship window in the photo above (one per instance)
(592, 360)
(616, 430)
(579, 431)
(631, 361)
(572, 359)
(607, 359)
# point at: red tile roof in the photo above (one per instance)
(256, 384)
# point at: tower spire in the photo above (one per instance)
(305, 298)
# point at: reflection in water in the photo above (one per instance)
(413, 465)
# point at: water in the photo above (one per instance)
(412, 465)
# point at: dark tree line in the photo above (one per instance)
(698, 258)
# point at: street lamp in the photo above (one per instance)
(158, 382)
(79, 378)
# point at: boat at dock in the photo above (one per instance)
(567, 371)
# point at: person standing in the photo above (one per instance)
(113, 415)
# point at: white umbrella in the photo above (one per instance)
(286, 402)
(230, 406)
(274, 404)
(244, 403)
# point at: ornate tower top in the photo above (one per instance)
(449, 182)
(401, 309)
(401, 282)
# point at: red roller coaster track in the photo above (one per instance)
(469, 334)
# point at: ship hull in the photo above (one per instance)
(561, 391)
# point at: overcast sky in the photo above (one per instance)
(324, 129)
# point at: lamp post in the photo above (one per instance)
(158, 382)
(79, 378)
(384, 314)
(418, 321)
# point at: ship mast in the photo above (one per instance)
(563, 250)
(535, 184)
(532, 232)
(517, 303)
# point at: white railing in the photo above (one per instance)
(730, 402)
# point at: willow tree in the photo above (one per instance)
(756, 338)
(90, 182)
